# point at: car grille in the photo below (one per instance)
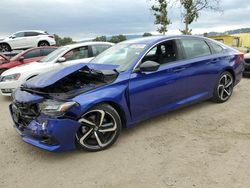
(247, 61)
(23, 114)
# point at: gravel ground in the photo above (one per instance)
(204, 145)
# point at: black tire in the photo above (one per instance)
(43, 43)
(5, 47)
(2, 70)
(101, 126)
(224, 88)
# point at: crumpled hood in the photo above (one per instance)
(52, 77)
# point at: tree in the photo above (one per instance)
(101, 38)
(63, 41)
(147, 35)
(192, 11)
(161, 15)
(118, 38)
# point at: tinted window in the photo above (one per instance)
(21, 34)
(195, 48)
(47, 51)
(32, 54)
(31, 34)
(77, 53)
(216, 47)
(163, 53)
(97, 49)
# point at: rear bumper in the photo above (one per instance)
(55, 135)
(247, 69)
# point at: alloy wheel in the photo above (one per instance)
(4, 48)
(225, 87)
(98, 129)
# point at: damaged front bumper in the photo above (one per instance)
(55, 135)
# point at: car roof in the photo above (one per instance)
(39, 31)
(158, 38)
(87, 44)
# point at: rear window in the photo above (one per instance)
(216, 47)
(195, 48)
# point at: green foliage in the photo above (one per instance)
(63, 41)
(192, 9)
(101, 38)
(118, 38)
(161, 15)
(147, 35)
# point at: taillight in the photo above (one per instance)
(242, 56)
(51, 36)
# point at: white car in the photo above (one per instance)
(60, 58)
(26, 39)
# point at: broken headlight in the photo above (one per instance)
(55, 108)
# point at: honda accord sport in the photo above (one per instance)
(87, 105)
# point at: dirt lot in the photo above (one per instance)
(205, 145)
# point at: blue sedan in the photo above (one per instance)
(87, 105)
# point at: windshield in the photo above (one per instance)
(122, 55)
(54, 55)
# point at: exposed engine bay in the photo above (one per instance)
(76, 83)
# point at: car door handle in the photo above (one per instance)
(213, 61)
(179, 69)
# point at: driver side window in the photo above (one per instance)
(77, 53)
(163, 53)
(20, 34)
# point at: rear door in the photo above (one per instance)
(31, 39)
(202, 71)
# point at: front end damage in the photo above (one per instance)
(44, 115)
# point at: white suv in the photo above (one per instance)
(27, 39)
(60, 58)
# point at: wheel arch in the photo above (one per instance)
(42, 41)
(119, 110)
(228, 69)
(7, 44)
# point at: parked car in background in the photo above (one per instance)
(27, 39)
(88, 104)
(27, 56)
(247, 64)
(3, 59)
(12, 53)
(60, 58)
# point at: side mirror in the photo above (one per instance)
(21, 58)
(12, 37)
(149, 66)
(61, 59)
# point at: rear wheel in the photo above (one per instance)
(100, 128)
(224, 88)
(5, 47)
(43, 43)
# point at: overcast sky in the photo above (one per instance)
(82, 19)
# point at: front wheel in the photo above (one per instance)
(224, 88)
(100, 128)
(5, 48)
